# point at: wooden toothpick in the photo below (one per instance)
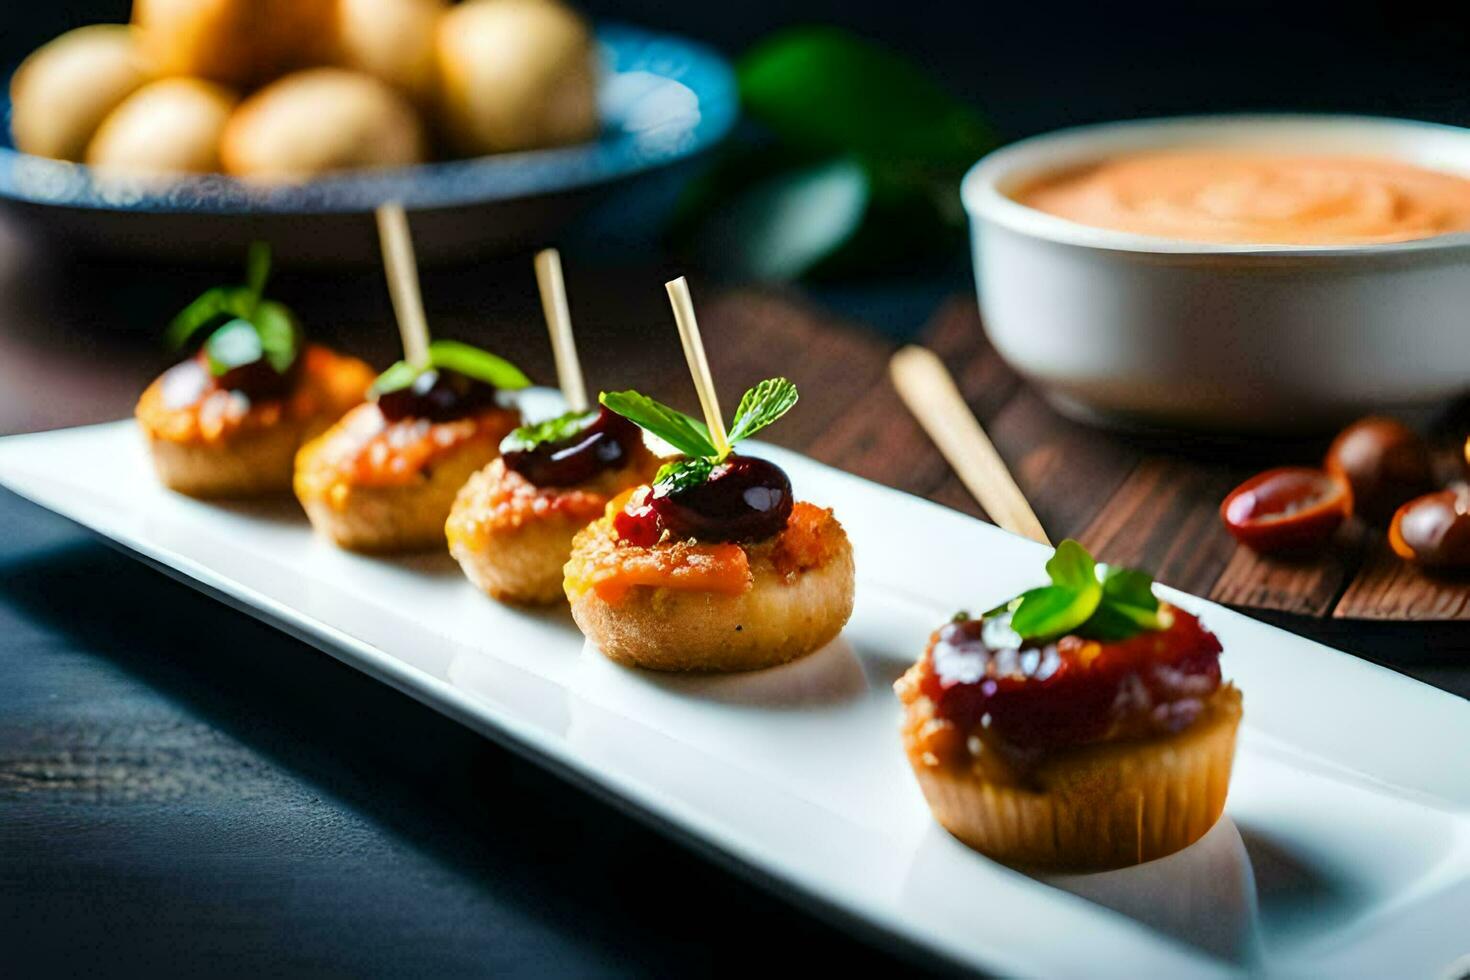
(403, 283)
(698, 364)
(559, 323)
(927, 389)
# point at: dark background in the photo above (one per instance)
(1039, 65)
(242, 805)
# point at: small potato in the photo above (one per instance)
(63, 91)
(237, 42)
(321, 120)
(516, 75)
(169, 126)
(392, 40)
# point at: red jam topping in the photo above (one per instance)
(744, 499)
(438, 395)
(1038, 697)
(606, 441)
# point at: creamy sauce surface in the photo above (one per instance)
(1258, 198)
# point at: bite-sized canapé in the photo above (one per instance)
(714, 566)
(228, 420)
(512, 525)
(1083, 725)
(384, 477)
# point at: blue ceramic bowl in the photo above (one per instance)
(663, 99)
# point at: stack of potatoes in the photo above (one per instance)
(287, 89)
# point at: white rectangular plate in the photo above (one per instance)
(1345, 849)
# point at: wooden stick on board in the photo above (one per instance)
(927, 389)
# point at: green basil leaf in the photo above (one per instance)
(1129, 591)
(451, 355)
(683, 474)
(685, 434)
(528, 437)
(233, 345)
(1054, 610)
(1071, 567)
(762, 405)
(257, 269)
(396, 378)
(211, 308)
(279, 337)
(1108, 625)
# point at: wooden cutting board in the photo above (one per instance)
(1152, 502)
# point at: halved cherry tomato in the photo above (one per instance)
(1434, 530)
(1292, 508)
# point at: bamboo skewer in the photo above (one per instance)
(698, 363)
(403, 283)
(927, 389)
(559, 323)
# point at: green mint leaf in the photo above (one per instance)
(1071, 567)
(1128, 589)
(762, 405)
(233, 345)
(685, 434)
(683, 474)
(528, 437)
(396, 378)
(1054, 610)
(279, 338)
(257, 269)
(451, 355)
(1129, 604)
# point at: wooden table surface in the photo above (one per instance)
(183, 788)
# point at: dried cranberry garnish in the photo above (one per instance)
(439, 396)
(605, 441)
(744, 499)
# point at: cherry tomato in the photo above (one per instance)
(1292, 508)
(1434, 530)
(1386, 462)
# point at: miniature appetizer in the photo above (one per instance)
(512, 524)
(384, 477)
(1080, 726)
(63, 91)
(714, 567)
(228, 421)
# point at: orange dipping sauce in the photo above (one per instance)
(1257, 198)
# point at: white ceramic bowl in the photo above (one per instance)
(1130, 329)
